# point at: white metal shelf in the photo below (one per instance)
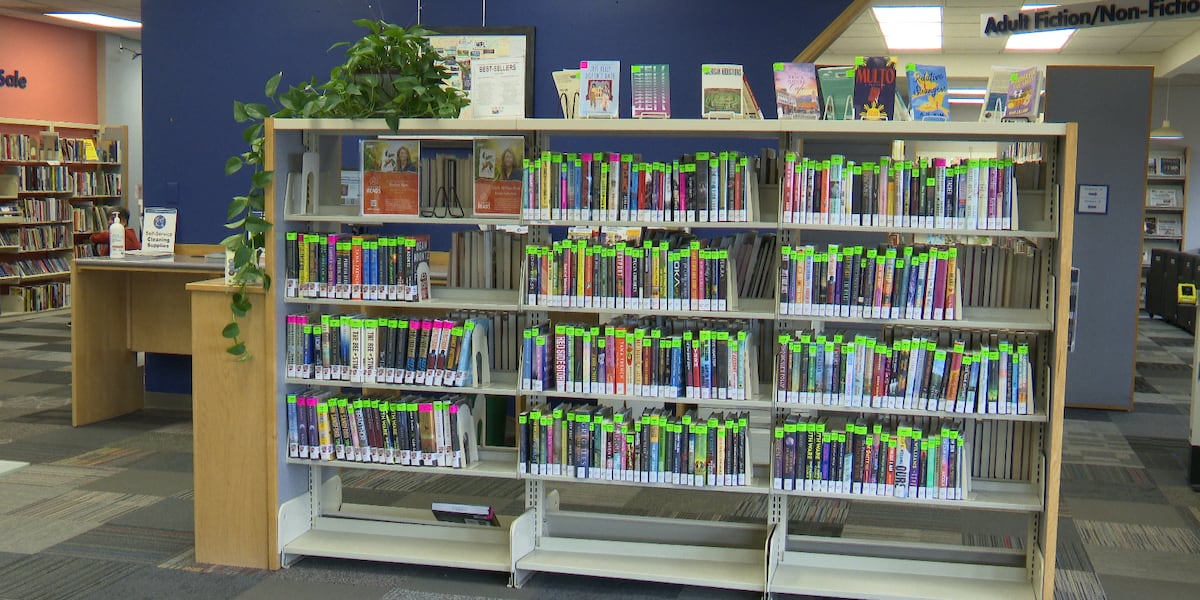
(748, 404)
(660, 224)
(429, 544)
(1036, 417)
(1039, 230)
(1019, 497)
(748, 308)
(504, 383)
(740, 569)
(500, 463)
(1025, 319)
(442, 298)
(817, 574)
(758, 486)
(356, 219)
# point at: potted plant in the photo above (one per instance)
(391, 72)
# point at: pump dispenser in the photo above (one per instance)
(116, 238)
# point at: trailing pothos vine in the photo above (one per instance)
(391, 72)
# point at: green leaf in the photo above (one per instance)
(237, 206)
(257, 224)
(237, 311)
(262, 178)
(238, 224)
(393, 121)
(239, 350)
(338, 45)
(266, 279)
(231, 330)
(258, 201)
(232, 165)
(252, 132)
(257, 111)
(241, 257)
(234, 241)
(239, 112)
(273, 84)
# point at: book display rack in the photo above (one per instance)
(873, 370)
(56, 182)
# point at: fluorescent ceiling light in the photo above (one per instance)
(97, 20)
(910, 27)
(965, 100)
(968, 92)
(1043, 40)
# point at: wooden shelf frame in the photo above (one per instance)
(765, 557)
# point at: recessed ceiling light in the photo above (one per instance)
(1042, 40)
(910, 27)
(97, 20)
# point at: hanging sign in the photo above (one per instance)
(1089, 14)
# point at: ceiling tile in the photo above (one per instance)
(1150, 44)
(1180, 27)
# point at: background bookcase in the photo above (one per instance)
(1165, 217)
(306, 497)
(51, 224)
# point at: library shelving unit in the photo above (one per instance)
(1165, 209)
(305, 497)
(54, 190)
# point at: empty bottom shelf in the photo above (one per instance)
(888, 579)
(413, 550)
(719, 568)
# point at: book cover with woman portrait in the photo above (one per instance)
(390, 177)
(498, 176)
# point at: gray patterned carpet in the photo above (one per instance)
(105, 511)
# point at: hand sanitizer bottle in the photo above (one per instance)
(116, 238)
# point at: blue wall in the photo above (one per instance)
(201, 56)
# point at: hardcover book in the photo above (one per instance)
(927, 91)
(650, 86)
(796, 94)
(837, 93)
(390, 181)
(498, 176)
(721, 91)
(599, 88)
(875, 89)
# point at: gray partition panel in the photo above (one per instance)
(1112, 107)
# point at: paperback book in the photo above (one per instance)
(721, 91)
(499, 175)
(390, 181)
(650, 86)
(796, 93)
(356, 267)
(837, 93)
(875, 88)
(1024, 95)
(599, 88)
(927, 91)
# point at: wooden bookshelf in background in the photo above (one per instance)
(57, 184)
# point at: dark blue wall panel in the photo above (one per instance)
(201, 56)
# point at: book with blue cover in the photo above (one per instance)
(927, 90)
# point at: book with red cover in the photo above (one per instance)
(390, 177)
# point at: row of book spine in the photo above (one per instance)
(590, 442)
(581, 273)
(915, 373)
(355, 267)
(35, 266)
(88, 183)
(89, 219)
(46, 296)
(42, 210)
(965, 194)
(18, 146)
(363, 349)
(45, 179)
(74, 150)
(411, 430)
(45, 237)
(611, 186)
(710, 363)
(910, 282)
(925, 459)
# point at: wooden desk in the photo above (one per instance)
(120, 307)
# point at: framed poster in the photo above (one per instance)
(501, 49)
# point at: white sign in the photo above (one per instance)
(158, 230)
(1093, 199)
(1089, 14)
(498, 88)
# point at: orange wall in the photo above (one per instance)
(60, 64)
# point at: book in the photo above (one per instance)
(650, 87)
(599, 88)
(837, 93)
(467, 514)
(499, 174)
(356, 267)
(721, 92)
(390, 178)
(875, 88)
(996, 95)
(1163, 197)
(796, 93)
(927, 90)
(1170, 166)
(1024, 94)
(566, 84)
